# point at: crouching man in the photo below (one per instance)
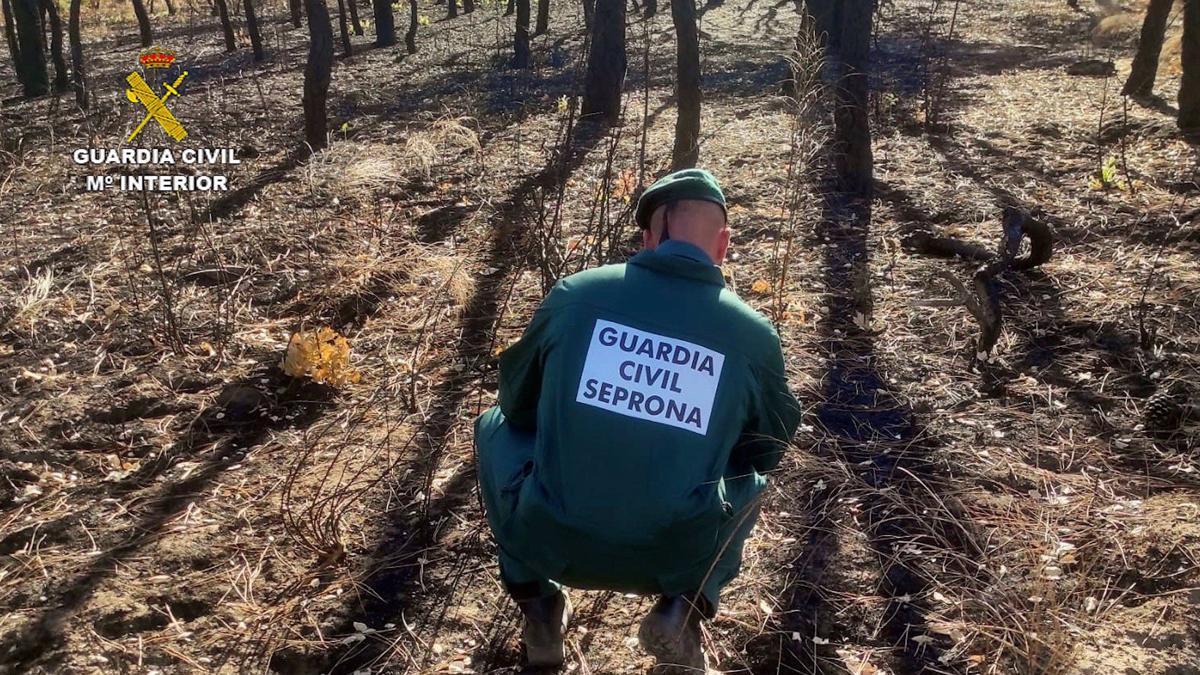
(638, 416)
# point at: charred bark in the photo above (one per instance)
(687, 85)
(982, 299)
(410, 38)
(226, 25)
(297, 9)
(451, 9)
(143, 19)
(543, 17)
(521, 36)
(77, 67)
(317, 75)
(589, 10)
(344, 28)
(606, 63)
(31, 57)
(61, 79)
(10, 34)
(826, 16)
(1150, 42)
(385, 23)
(252, 28)
(354, 22)
(1189, 85)
(650, 8)
(853, 161)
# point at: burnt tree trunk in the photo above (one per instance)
(650, 8)
(852, 128)
(61, 80)
(256, 45)
(1150, 42)
(170, 7)
(510, 7)
(468, 6)
(687, 85)
(143, 19)
(589, 11)
(606, 63)
(226, 25)
(10, 34)
(826, 17)
(77, 67)
(521, 36)
(317, 74)
(297, 9)
(543, 17)
(31, 57)
(344, 28)
(451, 8)
(1189, 86)
(385, 23)
(354, 22)
(410, 38)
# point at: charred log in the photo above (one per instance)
(982, 298)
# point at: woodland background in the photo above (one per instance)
(235, 429)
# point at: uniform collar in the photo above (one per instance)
(674, 260)
(684, 249)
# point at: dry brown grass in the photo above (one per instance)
(34, 299)
(1041, 526)
(355, 172)
(1118, 25)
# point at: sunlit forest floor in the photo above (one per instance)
(171, 502)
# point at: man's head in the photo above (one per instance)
(687, 206)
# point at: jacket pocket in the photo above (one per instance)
(510, 492)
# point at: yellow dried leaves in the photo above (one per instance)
(626, 183)
(760, 287)
(322, 355)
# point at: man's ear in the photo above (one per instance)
(722, 245)
(647, 238)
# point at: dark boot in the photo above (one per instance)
(671, 633)
(545, 622)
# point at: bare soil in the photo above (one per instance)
(172, 502)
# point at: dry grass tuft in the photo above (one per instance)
(357, 172)
(1170, 60)
(1116, 29)
(445, 139)
(34, 299)
(457, 279)
(354, 171)
(1120, 26)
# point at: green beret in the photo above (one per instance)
(685, 184)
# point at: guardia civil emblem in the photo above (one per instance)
(156, 62)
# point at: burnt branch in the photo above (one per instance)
(982, 298)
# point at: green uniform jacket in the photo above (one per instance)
(653, 394)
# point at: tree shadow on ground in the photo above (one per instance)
(806, 611)
(868, 428)
(230, 203)
(393, 588)
(217, 439)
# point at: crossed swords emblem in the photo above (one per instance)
(156, 109)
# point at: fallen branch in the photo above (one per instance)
(982, 299)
